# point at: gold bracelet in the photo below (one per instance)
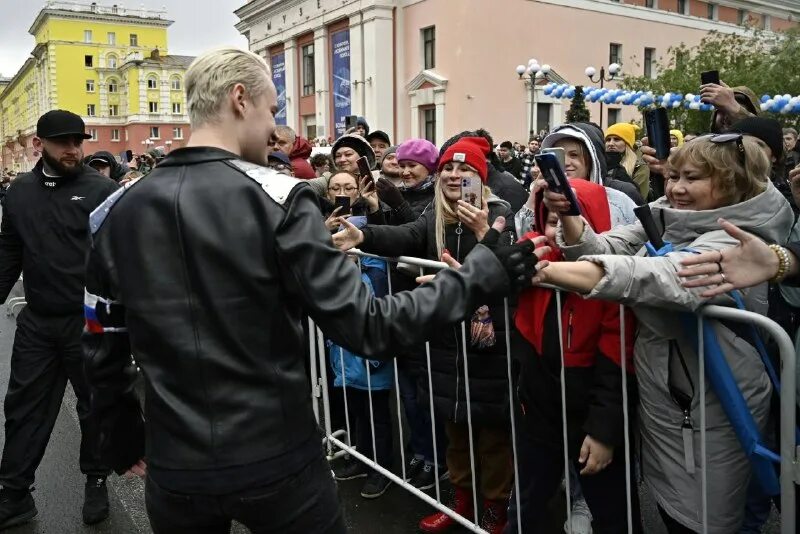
(784, 263)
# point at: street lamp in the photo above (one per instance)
(614, 69)
(531, 73)
(168, 143)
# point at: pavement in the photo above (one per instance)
(59, 485)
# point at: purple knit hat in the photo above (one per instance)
(420, 150)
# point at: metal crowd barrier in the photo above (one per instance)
(337, 441)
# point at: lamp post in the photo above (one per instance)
(614, 69)
(168, 144)
(530, 73)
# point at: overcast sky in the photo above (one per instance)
(199, 25)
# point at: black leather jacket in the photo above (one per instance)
(212, 264)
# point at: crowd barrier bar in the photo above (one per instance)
(790, 469)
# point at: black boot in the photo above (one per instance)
(95, 503)
(16, 507)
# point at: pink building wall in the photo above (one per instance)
(480, 43)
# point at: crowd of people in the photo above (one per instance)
(248, 224)
(410, 205)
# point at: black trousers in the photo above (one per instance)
(358, 410)
(541, 468)
(47, 352)
(305, 502)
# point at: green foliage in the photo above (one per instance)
(763, 61)
(577, 110)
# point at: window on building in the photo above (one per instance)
(113, 87)
(111, 59)
(87, 36)
(649, 60)
(177, 132)
(90, 110)
(152, 82)
(154, 133)
(712, 11)
(153, 107)
(429, 124)
(651, 3)
(615, 53)
(113, 110)
(175, 83)
(429, 47)
(88, 61)
(115, 134)
(176, 108)
(90, 86)
(766, 22)
(112, 38)
(613, 116)
(308, 69)
(134, 40)
(683, 7)
(93, 133)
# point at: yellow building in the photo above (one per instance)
(108, 64)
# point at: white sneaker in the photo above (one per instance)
(581, 518)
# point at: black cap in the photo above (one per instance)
(378, 134)
(768, 130)
(58, 123)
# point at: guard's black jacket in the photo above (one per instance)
(45, 235)
(211, 264)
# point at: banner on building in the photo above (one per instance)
(279, 79)
(340, 84)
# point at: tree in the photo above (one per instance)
(577, 110)
(763, 61)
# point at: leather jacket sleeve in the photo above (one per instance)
(116, 423)
(408, 239)
(330, 287)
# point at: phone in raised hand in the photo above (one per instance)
(472, 191)
(556, 179)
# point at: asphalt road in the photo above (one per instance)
(59, 485)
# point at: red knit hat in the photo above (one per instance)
(469, 150)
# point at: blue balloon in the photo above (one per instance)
(764, 99)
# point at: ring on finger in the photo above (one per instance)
(719, 266)
(724, 280)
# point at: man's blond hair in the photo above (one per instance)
(211, 76)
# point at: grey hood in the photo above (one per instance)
(592, 141)
(767, 215)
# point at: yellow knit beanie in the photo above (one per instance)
(623, 130)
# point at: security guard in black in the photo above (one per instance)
(44, 235)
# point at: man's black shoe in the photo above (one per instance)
(351, 470)
(95, 503)
(16, 510)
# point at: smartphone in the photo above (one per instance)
(472, 191)
(556, 180)
(363, 168)
(709, 76)
(657, 123)
(560, 155)
(350, 121)
(344, 203)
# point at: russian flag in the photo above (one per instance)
(90, 301)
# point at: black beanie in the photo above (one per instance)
(768, 130)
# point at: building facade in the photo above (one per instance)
(432, 68)
(109, 65)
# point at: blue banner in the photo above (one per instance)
(279, 79)
(340, 69)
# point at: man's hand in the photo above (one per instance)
(389, 193)
(139, 469)
(520, 260)
(348, 238)
(595, 455)
(720, 96)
